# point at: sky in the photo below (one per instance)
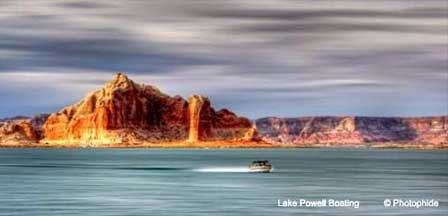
(257, 58)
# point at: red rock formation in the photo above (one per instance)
(121, 111)
(227, 125)
(17, 130)
(208, 125)
(200, 120)
(21, 129)
(354, 130)
(126, 112)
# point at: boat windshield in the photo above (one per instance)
(260, 163)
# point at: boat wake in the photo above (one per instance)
(223, 169)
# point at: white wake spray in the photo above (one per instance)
(224, 169)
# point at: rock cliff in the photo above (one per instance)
(333, 131)
(206, 124)
(126, 112)
(21, 129)
(198, 105)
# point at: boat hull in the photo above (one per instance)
(260, 169)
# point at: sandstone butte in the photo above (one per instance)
(126, 114)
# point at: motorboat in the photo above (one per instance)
(260, 166)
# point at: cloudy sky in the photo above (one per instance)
(258, 58)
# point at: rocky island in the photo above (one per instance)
(126, 114)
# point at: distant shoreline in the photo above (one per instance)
(231, 145)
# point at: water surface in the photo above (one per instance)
(100, 182)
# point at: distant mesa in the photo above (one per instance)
(123, 113)
(349, 131)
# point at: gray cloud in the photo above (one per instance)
(106, 54)
(301, 14)
(331, 27)
(82, 5)
(259, 58)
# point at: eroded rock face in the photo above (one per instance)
(21, 129)
(121, 111)
(199, 118)
(17, 130)
(227, 125)
(354, 130)
(125, 112)
(206, 124)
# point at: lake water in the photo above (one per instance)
(120, 182)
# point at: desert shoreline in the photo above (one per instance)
(242, 146)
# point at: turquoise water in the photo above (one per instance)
(216, 182)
